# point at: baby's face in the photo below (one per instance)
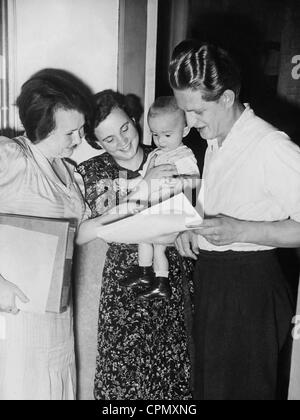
(167, 130)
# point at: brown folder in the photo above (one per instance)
(64, 230)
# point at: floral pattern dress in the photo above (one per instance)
(142, 345)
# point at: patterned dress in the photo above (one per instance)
(142, 345)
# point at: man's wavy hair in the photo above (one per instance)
(205, 67)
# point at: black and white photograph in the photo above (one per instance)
(149, 203)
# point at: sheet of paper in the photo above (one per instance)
(167, 218)
(26, 259)
(177, 205)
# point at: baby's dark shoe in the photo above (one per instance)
(139, 276)
(160, 289)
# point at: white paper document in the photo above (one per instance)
(27, 259)
(167, 218)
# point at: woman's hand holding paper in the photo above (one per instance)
(88, 229)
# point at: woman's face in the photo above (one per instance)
(118, 135)
(67, 135)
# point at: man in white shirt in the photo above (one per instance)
(251, 191)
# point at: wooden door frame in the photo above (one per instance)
(141, 65)
(9, 114)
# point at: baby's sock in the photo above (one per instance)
(162, 274)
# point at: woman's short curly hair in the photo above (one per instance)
(205, 67)
(44, 93)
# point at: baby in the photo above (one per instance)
(168, 127)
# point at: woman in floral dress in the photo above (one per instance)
(142, 344)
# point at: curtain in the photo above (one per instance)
(8, 115)
(4, 67)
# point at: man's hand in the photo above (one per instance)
(221, 230)
(187, 244)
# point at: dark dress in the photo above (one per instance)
(142, 345)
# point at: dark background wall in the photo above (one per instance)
(263, 36)
(257, 33)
